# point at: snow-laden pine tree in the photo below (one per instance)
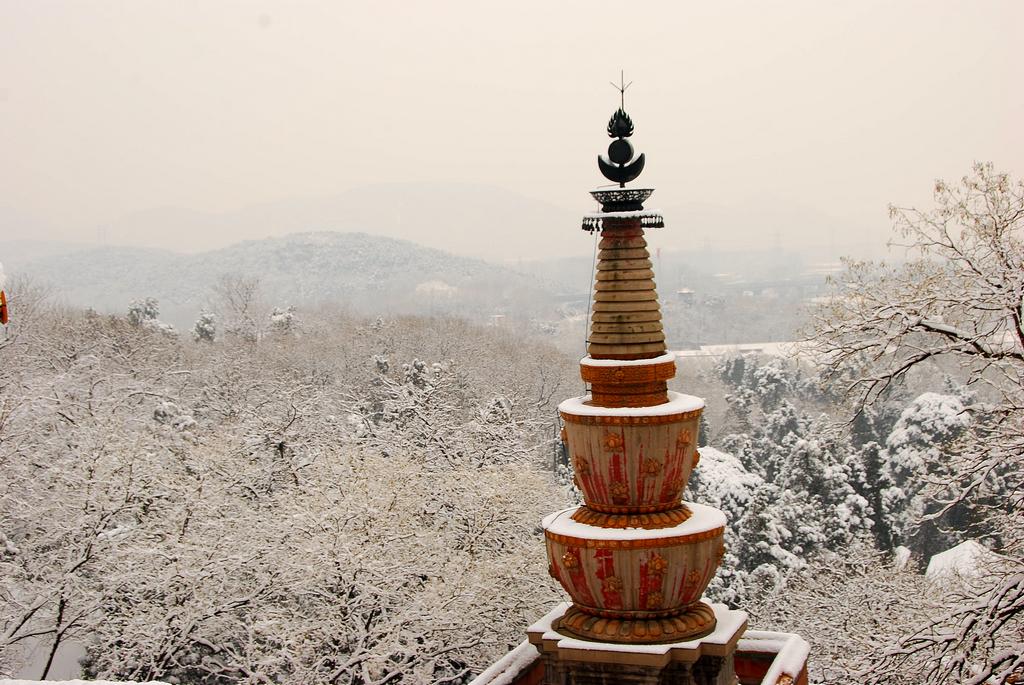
(145, 313)
(283, 321)
(142, 310)
(205, 327)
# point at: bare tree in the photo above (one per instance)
(239, 302)
(27, 299)
(849, 606)
(960, 298)
(219, 513)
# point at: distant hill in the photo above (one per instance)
(366, 274)
(472, 220)
(466, 219)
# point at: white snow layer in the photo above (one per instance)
(900, 557)
(677, 404)
(930, 414)
(623, 215)
(662, 359)
(723, 478)
(704, 518)
(80, 682)
(505, 670)
(791, 652)
(964, 560)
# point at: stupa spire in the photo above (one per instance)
(635, 558)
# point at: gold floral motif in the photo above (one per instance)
(612, 441)
(653, 601)
(684, 439)
(582, 465)
(619, 491)
(651, 466)
(612, 584)
(784, 680)
(570, 560)
(693, 577)
(657, 565)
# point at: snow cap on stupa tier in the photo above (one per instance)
(626, 322)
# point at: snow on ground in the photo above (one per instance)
(78, 682)
(774, 349)
(964, 560)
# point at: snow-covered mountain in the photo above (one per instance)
(366, 274)
(467, 219)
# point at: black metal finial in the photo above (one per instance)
(621, 88)
(620, 125)
(620, 166)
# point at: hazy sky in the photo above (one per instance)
(112, 107)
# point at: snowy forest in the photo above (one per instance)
(306, 495)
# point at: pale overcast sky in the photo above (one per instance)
(112, 107)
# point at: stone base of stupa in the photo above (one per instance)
(570, 660)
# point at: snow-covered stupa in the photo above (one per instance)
(635, 559)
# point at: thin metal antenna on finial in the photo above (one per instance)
(622, 88)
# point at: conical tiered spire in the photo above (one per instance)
(626, 323)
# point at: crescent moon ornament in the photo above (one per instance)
(621, 173)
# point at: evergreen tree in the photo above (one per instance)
(205, 327)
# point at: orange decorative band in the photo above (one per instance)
(628, 374)
(630, 420)
(608, 397)
(632, 509)
(632, 615)
(664, 519)
(624, 357)
(644, 543)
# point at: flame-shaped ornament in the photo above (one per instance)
(619, 166)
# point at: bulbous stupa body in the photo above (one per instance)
(635, 559)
